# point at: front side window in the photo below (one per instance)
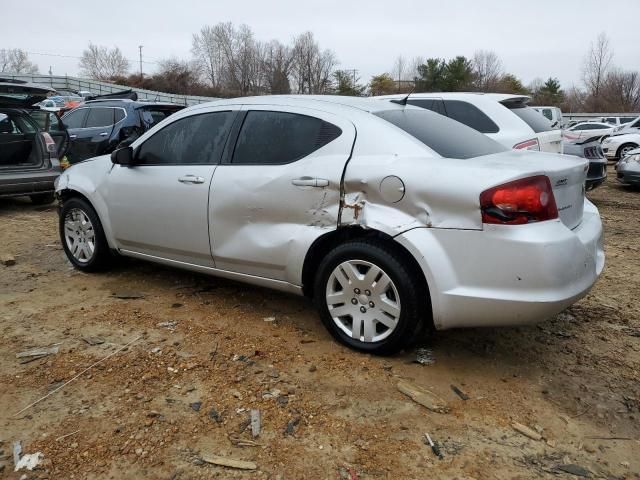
(448, 138)
(470, 115)
(276, 138)
(194, 140)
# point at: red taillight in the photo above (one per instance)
(521, 201)
(528, 145)
(50, 144)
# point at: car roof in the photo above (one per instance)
(498, 97)
(322, 102)
(119, 102)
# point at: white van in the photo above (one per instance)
(553, 114)
(504, 117)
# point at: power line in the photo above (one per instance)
(78, 58)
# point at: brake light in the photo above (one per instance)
(50, 144)
(528, 145)
(522, 201)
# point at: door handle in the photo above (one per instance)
(104, 134)
(72, 137)
(191, 179)
(310, 182)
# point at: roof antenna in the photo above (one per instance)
(403, 102)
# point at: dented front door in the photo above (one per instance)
(264, 216)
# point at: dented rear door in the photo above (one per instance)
(277, 189)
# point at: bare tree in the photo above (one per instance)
(101, 63)
(412, 70)
(208, 54)
(399, 70)
(597, 64)
(312, 67)
(620, 91)
(277, 66)
(15, 60)
(487, 70)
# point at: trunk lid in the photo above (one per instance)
(566, 173)
(19, 94)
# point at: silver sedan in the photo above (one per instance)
(390, 217)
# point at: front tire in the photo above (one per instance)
(82, 236)
(367, 297)
(626, 148)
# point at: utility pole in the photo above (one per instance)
(140, 48)
(50, 72)
(354, 77)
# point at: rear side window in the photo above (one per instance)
(194, 140)
(470, 115)
(276, 138)
(119, 114)
(535, 120)
(75, 119)
(447, 137)
(100, 117)
(433, 104)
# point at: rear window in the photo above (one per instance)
(470, 115)
(447, 137)
(534, 119)
(151, 116)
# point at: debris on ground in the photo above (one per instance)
(7, 260)
(435, 448)
(36, 353)
(94, 340)
(291, 426)
(228, 462)
(424, 356)
(127, 295)
(423, 396)
(255, 422)
(269, 319)
(574, 469)
(195, 406)
(215, 415)
(28, 461)
(526, 431)
(459, 392)
(169, 325)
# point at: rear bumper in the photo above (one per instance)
(507, 275)
(597, 173)
(628, 177)
(14, 184)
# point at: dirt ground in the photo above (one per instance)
(206, 351)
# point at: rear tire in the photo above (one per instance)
(368, 298)
(82, 236)
(42, 198)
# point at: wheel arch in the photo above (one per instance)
(626, 144)
(324, 244)
(69, 192)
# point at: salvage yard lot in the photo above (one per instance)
(211, 350)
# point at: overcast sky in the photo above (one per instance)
(534, 38)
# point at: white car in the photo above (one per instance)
(619, 145)
(390, 217)
(585, 130)
(505, 118)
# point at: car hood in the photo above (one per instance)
(22, 95)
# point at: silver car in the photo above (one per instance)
(628, 169)
(390, 217)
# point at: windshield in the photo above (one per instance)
(447, 137)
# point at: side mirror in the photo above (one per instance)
(123, 156)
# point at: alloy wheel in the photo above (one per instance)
(363, 301)
(79, 235)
